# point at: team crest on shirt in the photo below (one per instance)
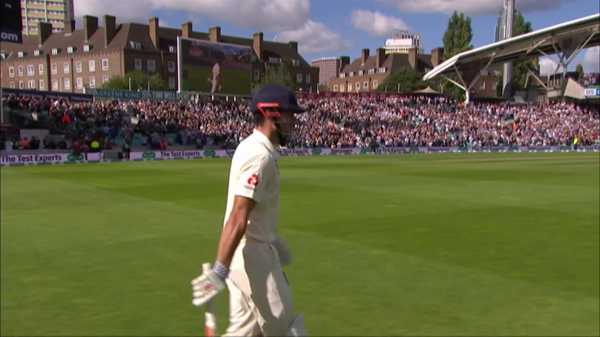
(253, 180)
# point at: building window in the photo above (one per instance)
(335, 87)
(86, 48)
(382, 70)
(375, 84)
(12, 85)
(55, 85)
(20, 70)
(349, 87)
(79, 83)
(21, 85)
(172, 82)
(41, 69)
(41, 85)
(36, 52)
(171, 66)
(299, 78)
(70, 50)
(366, 85)
(78, 67)
(54, 68)
(351, 74)
(54, 51)
(151, 64)
(20, 54)
(67, 84)
(11, 72)
(357, 86)
(92, 82)
(483, 85)
(172, 49)
(137, 64)
(30, 70)
(360, 73)
(104, 78)
(92, 66)
(66, 68)
(307, 78)
(371, 71)
(31, 84)
(104, 64)
(342, 75)
(342, 88)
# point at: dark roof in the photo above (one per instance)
(139, 33)
(392, 61)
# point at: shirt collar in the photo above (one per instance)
(263, 139)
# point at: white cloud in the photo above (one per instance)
(268, 15)
(548, 65)
(471, 6)
(314, 37)
(591, 60)
(377, 24)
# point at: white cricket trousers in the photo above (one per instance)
(260, 300)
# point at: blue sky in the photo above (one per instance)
(342, 27)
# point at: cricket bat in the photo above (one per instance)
(210, 320)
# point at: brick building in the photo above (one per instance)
(367, 72)
(72, 60)
(329, 67)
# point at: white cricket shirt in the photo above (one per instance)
(254, 174)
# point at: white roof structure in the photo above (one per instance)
(540, 42)
(565, 39)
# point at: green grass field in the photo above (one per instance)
(457, 244)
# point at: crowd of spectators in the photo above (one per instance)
(336, 122)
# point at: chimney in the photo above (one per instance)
(44, 32)
(90, 25)
(380, 57)
(110, 29)
(257, 44)
(343, 62)
(294, 46)
(437, 55)
(186, 30)
(153, 27)
(412, 58)
(214, 34)
(364, 55)
(69, 26)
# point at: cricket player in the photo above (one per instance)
(250, 254)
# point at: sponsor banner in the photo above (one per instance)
(183, 154)
(10, 23)
(133, 95)
(36, 159)
(592, 92)
(65, 158)
(95, 156)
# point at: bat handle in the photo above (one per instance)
(210, 325)
(205, 267)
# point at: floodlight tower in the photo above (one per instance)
(508, 15)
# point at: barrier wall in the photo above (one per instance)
(45, 157)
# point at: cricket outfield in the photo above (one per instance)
(444, 244)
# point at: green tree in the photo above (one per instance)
(457, 39)
(281, 74)
(458, 35)
(521, 68)
(579, 71)
(139, 81)
(404, 80)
